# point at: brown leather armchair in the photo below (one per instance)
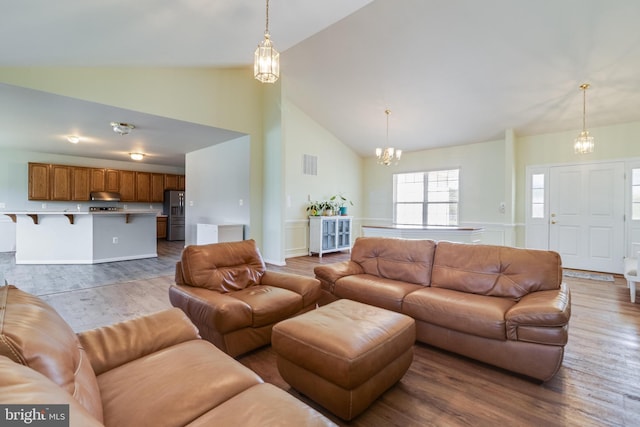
(227, 292)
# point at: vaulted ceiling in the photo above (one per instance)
(451, 71)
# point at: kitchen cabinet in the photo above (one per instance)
(112, 180)
(161, 226)
(81, 179)
(143, 187)
(61, 182)
(67, 183)
(97, 180)
(127, 188)
(157, 187)
(170, 181)
(38, 181)
(329, 234)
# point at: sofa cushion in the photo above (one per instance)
(222, 267)
(173, 386)
(269, 304)
(22, 385)
(398, 259)
(374, 290)
(472, 314)
(495, 270)
(262, 405)
(33, 334)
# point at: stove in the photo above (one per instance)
(102, 208)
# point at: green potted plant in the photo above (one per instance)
(341, 203)
(315, 208)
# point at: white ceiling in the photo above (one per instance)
(451, 71)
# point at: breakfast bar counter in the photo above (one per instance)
(83, 237)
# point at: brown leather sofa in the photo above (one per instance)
(501, 305)
(149, 371)
(227, 292)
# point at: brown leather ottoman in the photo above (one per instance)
(344, 355)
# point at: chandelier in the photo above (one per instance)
(266, 64)
(122, 128)
(388, 155)
(583, 143)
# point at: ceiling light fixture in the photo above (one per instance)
(74, 139)
(584, 142)
(388, 155)
(122, 128)
(266, 65)
(136, 156)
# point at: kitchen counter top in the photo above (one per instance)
(83, 237)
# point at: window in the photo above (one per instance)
(426, 198)
(635, 194)
(537, 195)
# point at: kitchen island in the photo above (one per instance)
(82, 237)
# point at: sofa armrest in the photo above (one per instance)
(111, 346)
(544, 314)
(211, 308)
(307, 287)
(330, 273)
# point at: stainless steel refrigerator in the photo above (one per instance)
(174, 210)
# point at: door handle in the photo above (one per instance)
(553, 222)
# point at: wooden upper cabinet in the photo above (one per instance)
(97, 180)
(157, 187)
(80, 184)
(61, 182)
(143, 186)
(174, 182)
(127, 186)
(170, 182)
(38, 181)
(112, 180)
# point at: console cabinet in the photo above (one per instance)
(329, 234)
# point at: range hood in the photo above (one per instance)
(105, 196)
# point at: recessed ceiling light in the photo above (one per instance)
(136, 156)
(74, 139)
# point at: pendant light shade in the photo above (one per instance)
(584, 142)
(388, 155)
(266, 63)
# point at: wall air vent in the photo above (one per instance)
(310, 164)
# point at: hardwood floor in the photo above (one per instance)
(598, 384)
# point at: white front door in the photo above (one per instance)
(586, 206)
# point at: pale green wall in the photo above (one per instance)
(482, 175)
(225, 98)
(616, 142)
(339, 167)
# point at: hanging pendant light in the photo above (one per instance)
(388, 155)
(584, 142)
(266, 64)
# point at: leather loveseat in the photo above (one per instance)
(501, 305)
(227, 292)
(148, 371)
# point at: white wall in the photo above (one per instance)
(218, 186)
